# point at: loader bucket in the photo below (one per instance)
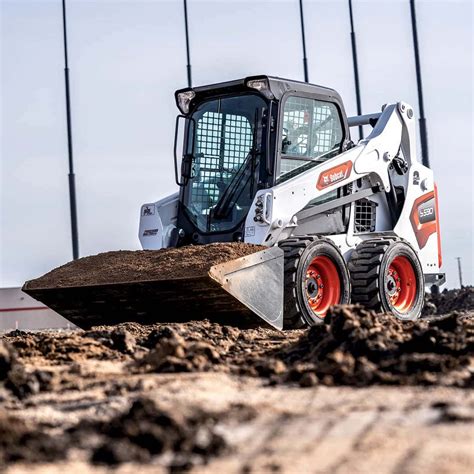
(246, 291)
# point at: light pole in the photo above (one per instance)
(188, 54)
(460, 271)
(356, 69)
(423, 132)
(71, 176)
(305, 60)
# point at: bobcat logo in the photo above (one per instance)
(334, 175)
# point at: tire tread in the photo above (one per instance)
(364, 268)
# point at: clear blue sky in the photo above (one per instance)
(128, 57)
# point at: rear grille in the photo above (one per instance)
(365, 211)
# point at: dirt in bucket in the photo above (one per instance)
(141, 265)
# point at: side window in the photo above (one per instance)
(312, 133)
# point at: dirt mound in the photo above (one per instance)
(115, 338)
(173, 353)
(355, 347)
(161, 347)
(450, 300)
(206, 346)
(109, 407)
(19, 379)
(148, 336)
(148, 430)
(7, 359)
(142, 265)
(21, 354)
(194, 346)
(140, 434)
(21, 442)
(359, 347)
(59, 347)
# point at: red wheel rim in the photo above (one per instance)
(323, 285)
(401, 284)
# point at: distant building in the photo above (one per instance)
(20, 311)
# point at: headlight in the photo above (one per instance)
(184, 99)
(259, 84)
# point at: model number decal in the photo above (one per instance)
(423, 218)
(426, 211)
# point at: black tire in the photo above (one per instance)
(381, 278)
(300, 252)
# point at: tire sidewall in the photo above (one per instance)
(327, 249)
(402, 249)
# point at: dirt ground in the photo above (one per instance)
(274, 429)
(362, 393)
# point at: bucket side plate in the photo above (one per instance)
(256, 281)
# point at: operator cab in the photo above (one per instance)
(246, 135)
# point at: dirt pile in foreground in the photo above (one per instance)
(164, 347)
(21, 441)
(59, 347)
(21, 379)
(142, 265)
(459, 299)
(140, 434)
(7, 359)
(112, 392)
(359, 347)
(206, 346)
(355, 346)
(148, 430)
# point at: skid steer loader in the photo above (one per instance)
(270, 161)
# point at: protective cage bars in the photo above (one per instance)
(308, 118)
(223, 141)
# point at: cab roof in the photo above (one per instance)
(277, 86)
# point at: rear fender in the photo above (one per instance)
(157, 221)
